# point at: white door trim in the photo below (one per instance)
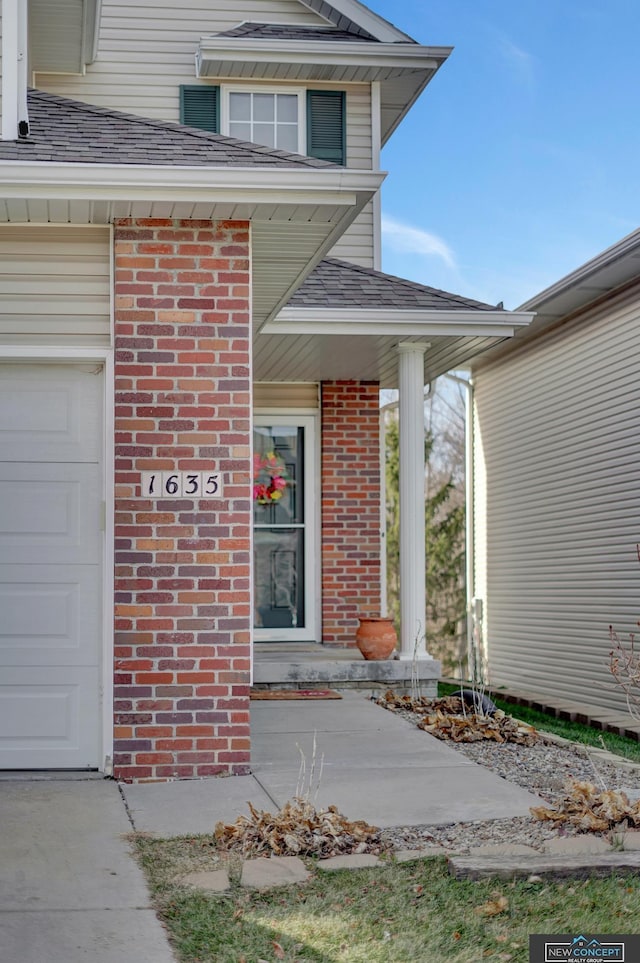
(310, 421)
(54, 354)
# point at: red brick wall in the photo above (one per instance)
(350, 507)
(182, 567)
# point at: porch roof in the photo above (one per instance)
(346, 322)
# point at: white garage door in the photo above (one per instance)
(50, 565)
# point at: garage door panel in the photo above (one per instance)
(50, 617)
(51, 565)
(42, 722)
(54, 516)
(54, 416)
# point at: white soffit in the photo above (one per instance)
(297, 214)
(328, 344)
(402, 69)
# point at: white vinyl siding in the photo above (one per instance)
(560, 430)
(356, 244)
(146, 53)
(147, 50)
(54, 285)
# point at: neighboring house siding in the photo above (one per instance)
(350, 500)
(182, 567)
(560, 425)
(55, 284)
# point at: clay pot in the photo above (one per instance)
(376, 637)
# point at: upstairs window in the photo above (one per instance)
(265, 118)
(308, 122)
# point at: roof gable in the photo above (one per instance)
(355, 17)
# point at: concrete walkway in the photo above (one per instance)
(377, 766)
(69, 889)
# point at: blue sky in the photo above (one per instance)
(521, 159)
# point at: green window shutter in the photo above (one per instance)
(200, 107)
(326, 138)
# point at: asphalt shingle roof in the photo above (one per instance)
(283, 31)
(68, 131)
(340, 284)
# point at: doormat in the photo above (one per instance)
(282, 695)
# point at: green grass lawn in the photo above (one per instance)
(410, 913)
(398, 913)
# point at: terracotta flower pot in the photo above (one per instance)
(376, 637)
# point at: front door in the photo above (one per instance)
(284, 572)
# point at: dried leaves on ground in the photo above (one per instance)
(298, 829)
(450, 718)
(591, 809)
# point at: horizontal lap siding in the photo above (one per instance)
(55, 284)
(559, 431)
(147, 50)
(357, 242)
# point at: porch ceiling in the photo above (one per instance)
(365, 357)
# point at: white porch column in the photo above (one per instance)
(412, 524)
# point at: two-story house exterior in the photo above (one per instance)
(194, 329)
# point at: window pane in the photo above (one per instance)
(288, 108)
(288, 137)
(240, 106)
(264, 134)
(278, 463)
(241, 131)
(279, 578)
(263, 107)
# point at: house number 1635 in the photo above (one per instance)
(181, 484)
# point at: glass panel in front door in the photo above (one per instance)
(279, 527)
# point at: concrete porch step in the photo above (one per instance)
(303, 666)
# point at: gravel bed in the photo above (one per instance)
(542, 769)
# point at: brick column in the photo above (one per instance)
(183, 402)
(351, 545)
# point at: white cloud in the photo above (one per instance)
(520, 60)
(413, 240)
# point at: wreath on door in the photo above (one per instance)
(270, 478)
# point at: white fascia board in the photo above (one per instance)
(347, 321)
(416, 330)
(334, 186)
(629, 246)
(407, 56)
(362, 17)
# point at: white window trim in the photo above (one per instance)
(299, 92)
